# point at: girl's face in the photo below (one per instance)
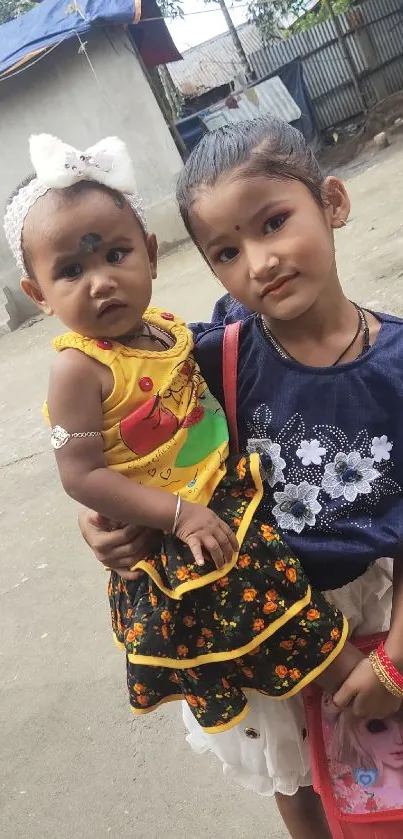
(268, 241)
(383, 738)
(92, 263)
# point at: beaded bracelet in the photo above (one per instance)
(390, 668)
(386, 672)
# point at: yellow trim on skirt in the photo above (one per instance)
(310, 677)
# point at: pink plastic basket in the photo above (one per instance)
(361, 801)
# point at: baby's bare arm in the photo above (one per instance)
(75, 403)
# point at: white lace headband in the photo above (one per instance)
(58, 166)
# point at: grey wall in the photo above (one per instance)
(62, 95)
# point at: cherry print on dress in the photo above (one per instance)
(148, 427)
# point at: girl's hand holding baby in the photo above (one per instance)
(119, 548)
(366, 694)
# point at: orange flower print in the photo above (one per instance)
(182, 573)
(153, 600)
(225, 683)
(280, 565)
(291, 575)
(335, 634)
(295, 674)
(250, 493)
(165, 616)
(313, 615)
(236, 522)
(182, 650)
(207, 632)
(143, 700)
(269, 607)
(244, 561)
(189, 621)
(267, 532)
(249, 594)
(287, 645)
(241, 468)
(174, 678)
(202, 702)
(223, 582)
(248, 672)
(200, 642)
(192, 701)
(258, 625)
(281, 671)
(328, 647)
(193, 674)
(271, 594)
(130, 636)
(165, 631)
(138, 688)
(129, 614)
(302, 642)
(138, 629)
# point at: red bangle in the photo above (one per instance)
(390, 669)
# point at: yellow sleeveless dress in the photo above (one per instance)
(200, 633)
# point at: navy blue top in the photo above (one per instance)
(330, 439)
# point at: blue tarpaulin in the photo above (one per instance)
(54, 21)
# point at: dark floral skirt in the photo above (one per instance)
(206, 635)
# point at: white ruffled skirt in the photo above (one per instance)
(268, 752)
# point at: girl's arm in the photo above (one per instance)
(363, 689)
(394, 642)
(75, 403)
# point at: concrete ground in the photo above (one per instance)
(73, 762)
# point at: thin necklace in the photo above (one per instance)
(149, 334)
(361, 327)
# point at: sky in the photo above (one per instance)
(203, 22)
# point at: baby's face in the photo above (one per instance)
(91, 263)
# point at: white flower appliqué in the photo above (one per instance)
(381, 448)
(297, 506)
(272, 464)
(311, 452)
(349, 475)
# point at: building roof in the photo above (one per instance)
(215, 62)
(51, 22)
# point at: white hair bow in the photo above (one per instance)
(58, 166)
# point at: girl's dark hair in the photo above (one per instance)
(264, 146)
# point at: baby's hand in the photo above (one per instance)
(366, 694)
(203, 532)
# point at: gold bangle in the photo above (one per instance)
(383, 676)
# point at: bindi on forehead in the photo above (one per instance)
(91, 242)
(237, 227)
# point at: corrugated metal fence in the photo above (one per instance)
(373, 35)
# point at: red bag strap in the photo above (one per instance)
(230, 371)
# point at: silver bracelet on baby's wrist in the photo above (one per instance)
(177, 514)
(60, 436)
